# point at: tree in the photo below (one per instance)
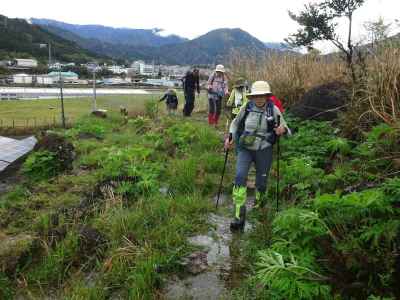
(318, 22)
(377, 31)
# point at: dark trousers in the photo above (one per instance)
(214, 110)
(262, 160)
(214, 105)
(189, 104)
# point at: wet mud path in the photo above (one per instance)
(217, 267)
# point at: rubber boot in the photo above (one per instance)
(216, 118)
(210, 119)
(239, 223)
(239, 199)
(261, 200)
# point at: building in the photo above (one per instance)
(117, 69)
(22, 79)
(24, 63)
(5, 63)
(164, 82)
(136, 66)
(44, 80)
(140, 67)
(147, 70)
(66, 76)
(115, 81)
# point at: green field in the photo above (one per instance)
(32, 113)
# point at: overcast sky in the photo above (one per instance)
(267, 20)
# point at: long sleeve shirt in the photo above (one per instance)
(217, 85)
(191, 83)
(237, 99)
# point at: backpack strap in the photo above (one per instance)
(249, 107)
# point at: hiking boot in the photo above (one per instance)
(239, 223)
(239, 199)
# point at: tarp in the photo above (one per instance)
(12, 149)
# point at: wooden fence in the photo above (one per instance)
(32, 123)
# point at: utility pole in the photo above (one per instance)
(94, 90)
(61, 81)
(49, 55)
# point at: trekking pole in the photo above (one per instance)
(222, 177)
(223, 171)
(278, 150)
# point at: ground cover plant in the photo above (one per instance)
(336, 235)
(116, 223)
(34, 113)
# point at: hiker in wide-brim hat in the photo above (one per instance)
(256, 130)
(237, 98)
(217, 87)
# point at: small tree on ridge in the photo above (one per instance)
(318, 22)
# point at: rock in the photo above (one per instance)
(101, 113)
(91, 241)
(164, 190)
(12, 248)
(196, 262)
(322, 102)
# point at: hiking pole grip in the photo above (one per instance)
(277, 165)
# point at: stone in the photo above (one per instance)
(12, 248)
(101, 113)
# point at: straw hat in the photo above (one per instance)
(260, 88)
(220, 68)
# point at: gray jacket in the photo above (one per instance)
(256, 124)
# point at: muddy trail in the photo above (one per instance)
(217, 267)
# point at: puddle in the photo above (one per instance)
(222, 270)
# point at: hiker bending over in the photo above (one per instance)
(217, 89)
(256, 130)
(171, 101)
(237, 98)
(191, 84)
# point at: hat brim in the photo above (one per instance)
(222, 71)
(259, 94)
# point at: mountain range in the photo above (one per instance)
(150, 45)
(82, 43)
(20, 39)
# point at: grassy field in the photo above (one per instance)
(32, 113)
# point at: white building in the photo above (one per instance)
(117, 69)
(22, 79)
(25, 63)
(136, 66)
(147, 70)
(140, 67)
(66, 76)
(115, 81)
(44, 79)
(164, 82)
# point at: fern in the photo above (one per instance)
(287, 278)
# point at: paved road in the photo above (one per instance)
(21, 92)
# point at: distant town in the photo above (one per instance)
(138, 73)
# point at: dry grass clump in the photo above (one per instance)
(290, 75)
(380, 91)
(376, 94)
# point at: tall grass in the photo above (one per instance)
(381, 90)
(375, 97)
(290, 75)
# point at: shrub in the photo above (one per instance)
(41, 165)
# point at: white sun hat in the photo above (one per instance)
(260, 88)
(220, 68)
